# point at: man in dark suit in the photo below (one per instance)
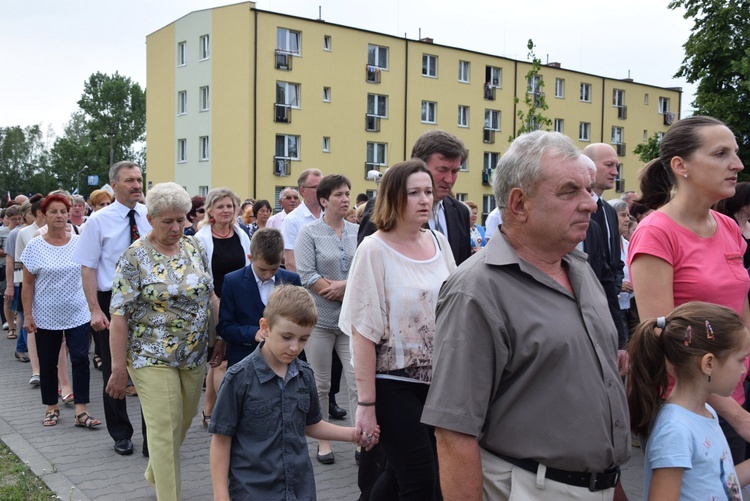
(245, 294)
(443, 153)
(606, 162)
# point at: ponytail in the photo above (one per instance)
(647, 380)
(657, 181)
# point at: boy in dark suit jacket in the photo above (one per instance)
(245, 294)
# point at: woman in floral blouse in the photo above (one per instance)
(160, 299)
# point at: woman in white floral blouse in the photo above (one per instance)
(160, 299)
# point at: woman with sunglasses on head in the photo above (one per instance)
(196, 214)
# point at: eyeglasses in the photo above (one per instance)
(200, 211)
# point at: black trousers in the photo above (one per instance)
(115, 409)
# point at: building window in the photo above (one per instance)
(181, 54)
(376, 154)
(559, 125)
(584, 131)
(534, 84)
(203, 148)
(463, 116)
(645, 135)
(287, 93)
(326, 42)
(377, 56)
(618, 98)
(205, 103)
(288, 41)
(493, 76)
(617, 135)
(645, 98)
(659, 137)
(492, 120)
(586, 92)
(181, 150)
(204, 48)
(327, 94)
(287, 146)
(429, 66)
(326, 144)
(377, 105)
(463, 71)
(491, 159)
(203, 191)
(488, 205)
(182, 102)
(429, 112)
(462, 197)
(465, 164)
(559, 88)
(663, 105)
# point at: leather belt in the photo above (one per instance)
(593, 481)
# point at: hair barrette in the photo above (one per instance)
(709, 331)
(688, 335)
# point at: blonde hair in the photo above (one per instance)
(293, 303)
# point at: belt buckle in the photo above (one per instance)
(594, 477)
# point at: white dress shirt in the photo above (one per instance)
(293, 222)
(264, 288)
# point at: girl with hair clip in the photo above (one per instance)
(687, 457)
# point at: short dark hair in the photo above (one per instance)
(732, 205)
(391, 200)
(267, 245)
(439, 141)
(55, 197)
(259, 204)
(362, 198)
(36, 203)
(329, 184)
(197, 202)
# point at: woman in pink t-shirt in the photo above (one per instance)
(685, 251)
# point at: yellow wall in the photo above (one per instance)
(160, 105)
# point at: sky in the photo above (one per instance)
(53, 46)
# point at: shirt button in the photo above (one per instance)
(610, 383)
(617, 422)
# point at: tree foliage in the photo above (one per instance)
(23, 159)
(649, 150)
(717, 57)
(532, 116)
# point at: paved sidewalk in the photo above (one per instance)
(80, 464)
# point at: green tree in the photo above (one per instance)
(717, 57)
(75, 155)
(649, 150)
(23, 159)
(532, 116)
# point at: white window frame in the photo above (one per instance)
(618, 133)
(181, 151)
(285, 38)
(645, 98)
(462, 197)
(494, 76)
(429, 112)
(463, 116)
(492, 119)
(377, 153)
(203, 191)
(292, 103)
(377, 105)
(181, 53)
(560, 125)
(429, 65)
(182, 102)
(204, 48)
(326, 144)
(663, 105)
(204, 149)
(464, 71)
(374, 55)
(327, 43)
(584, 131)
(205, 98)
(618, 98)
(292, 153)
(560, 88)
(585, 92)
(534, 84)
(326, 94)
(645, 134)
(490, 159)
(465, 164)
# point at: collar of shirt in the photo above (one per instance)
(264, 371)
(123, 210)
(305, 212)
(260, 282)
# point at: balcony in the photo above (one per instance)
(622, 112)
(621, 149)
(668, 118)
(283, 60)
(489, 92)
(372, 123)
(282, 113)
(486, 176)
(282, 166)
(488, 136)
(372, 74)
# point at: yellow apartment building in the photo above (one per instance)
(248, 99)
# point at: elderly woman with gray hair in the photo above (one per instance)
(160, 299)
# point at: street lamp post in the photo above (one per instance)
(78, 178)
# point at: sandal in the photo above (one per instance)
(83, 420)
(205, 419)
(97, 362)
(67, 399)
(12, 334)
(51, 417)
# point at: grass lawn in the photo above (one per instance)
(17, 482)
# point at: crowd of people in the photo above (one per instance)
(519, 360)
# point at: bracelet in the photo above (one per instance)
(366, 404)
